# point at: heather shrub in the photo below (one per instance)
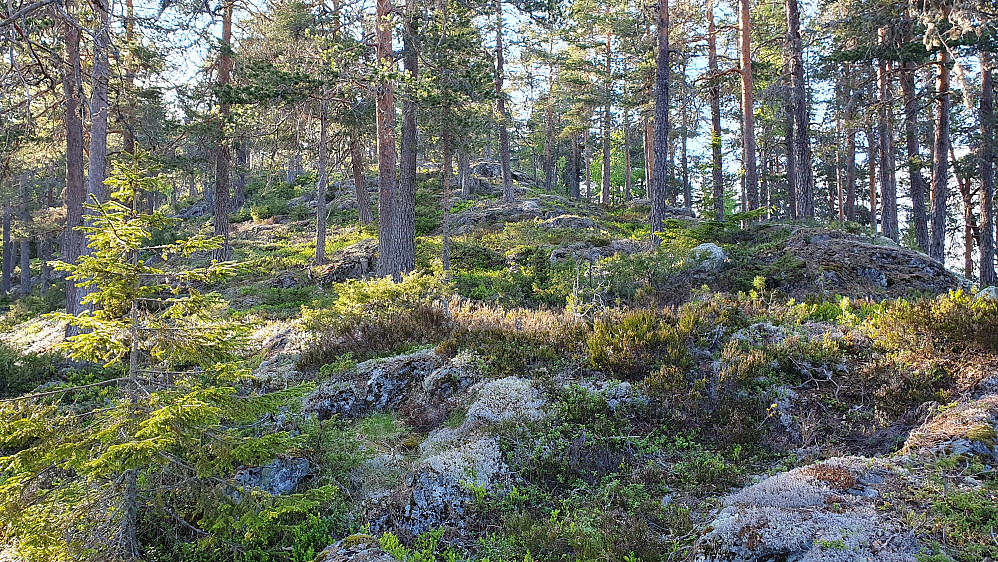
(375, 318)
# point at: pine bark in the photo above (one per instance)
(800, 147)
(587, 158)
(850, 156)
(76, 191)
(717, 163)
(364, 209)
(388, 260)
(916, 180)
(502, 120)
(684, 159)
(873, 149)
(321, 187)
(25, 242)
(8, 252)
(987, 171)
(406, 221)
(222, 156)
(751, 174)
(940, 159)
(627, 156)
(659, 187)
(608, 93)
(549, 122)
(888, 182)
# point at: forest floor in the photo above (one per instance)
(565, 392)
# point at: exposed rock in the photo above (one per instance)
(280, 476)
(378, 384)
(438, 492)
(497, 212)
(503, 400)
(625, 246)
(988, 293)
(389, 380)
(969, 428)
(494, 170)
(574, 222)
(822, 512)
(446, 381)
(355, 548)
(199, 209)
(849, 264)
(353, 262)
(709, 258)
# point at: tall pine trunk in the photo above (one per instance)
(940, 160)
(888, 184)
(751, 175)
(684, 157)
(987, 172)
(502, 120)
(873, 155)
(608, 93)
(916, 181)
(320, 187)
(76, 191)
(387, 156)
(800, 153)
(717, 164)
(364, 210)
(627, 156)
(222, 156)
(406, 221)
(850, 156)
(659, 186)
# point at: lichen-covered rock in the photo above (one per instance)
(497, 212)
(389, 380)
(440, 489)
(625, 246)
(852, 265)
(988, 293)
(969, 428)
(378, 384)
(708, 257)
(353, 262)
(574, 222)
(823, 512)
(280, 476)
(335, 398)
(503, 400)
(355, 548)
(446, 381)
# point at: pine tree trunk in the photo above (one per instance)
(627, 156)
(793, 176)
(101, 73)
(872, 156)
(916, 181)
(850, 187)
(445, 173)
(888, 185)
(803, 178)
(502, 120)
(659, 187)
(969, 222)
(44, 242)
(587, 158)
(242, 163)
(385, 120)
(751, 174)
(987, 172)
(684, 160)
(549, 123)
(364, 210)
(940, 162)
(406, 224)
(717, 164)
(320, 188)
(607, 93)
(573, 170)
(463, 165)
(222, 156)
(76, 191)
(649, 148)
(25, 242)
(8, 252)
